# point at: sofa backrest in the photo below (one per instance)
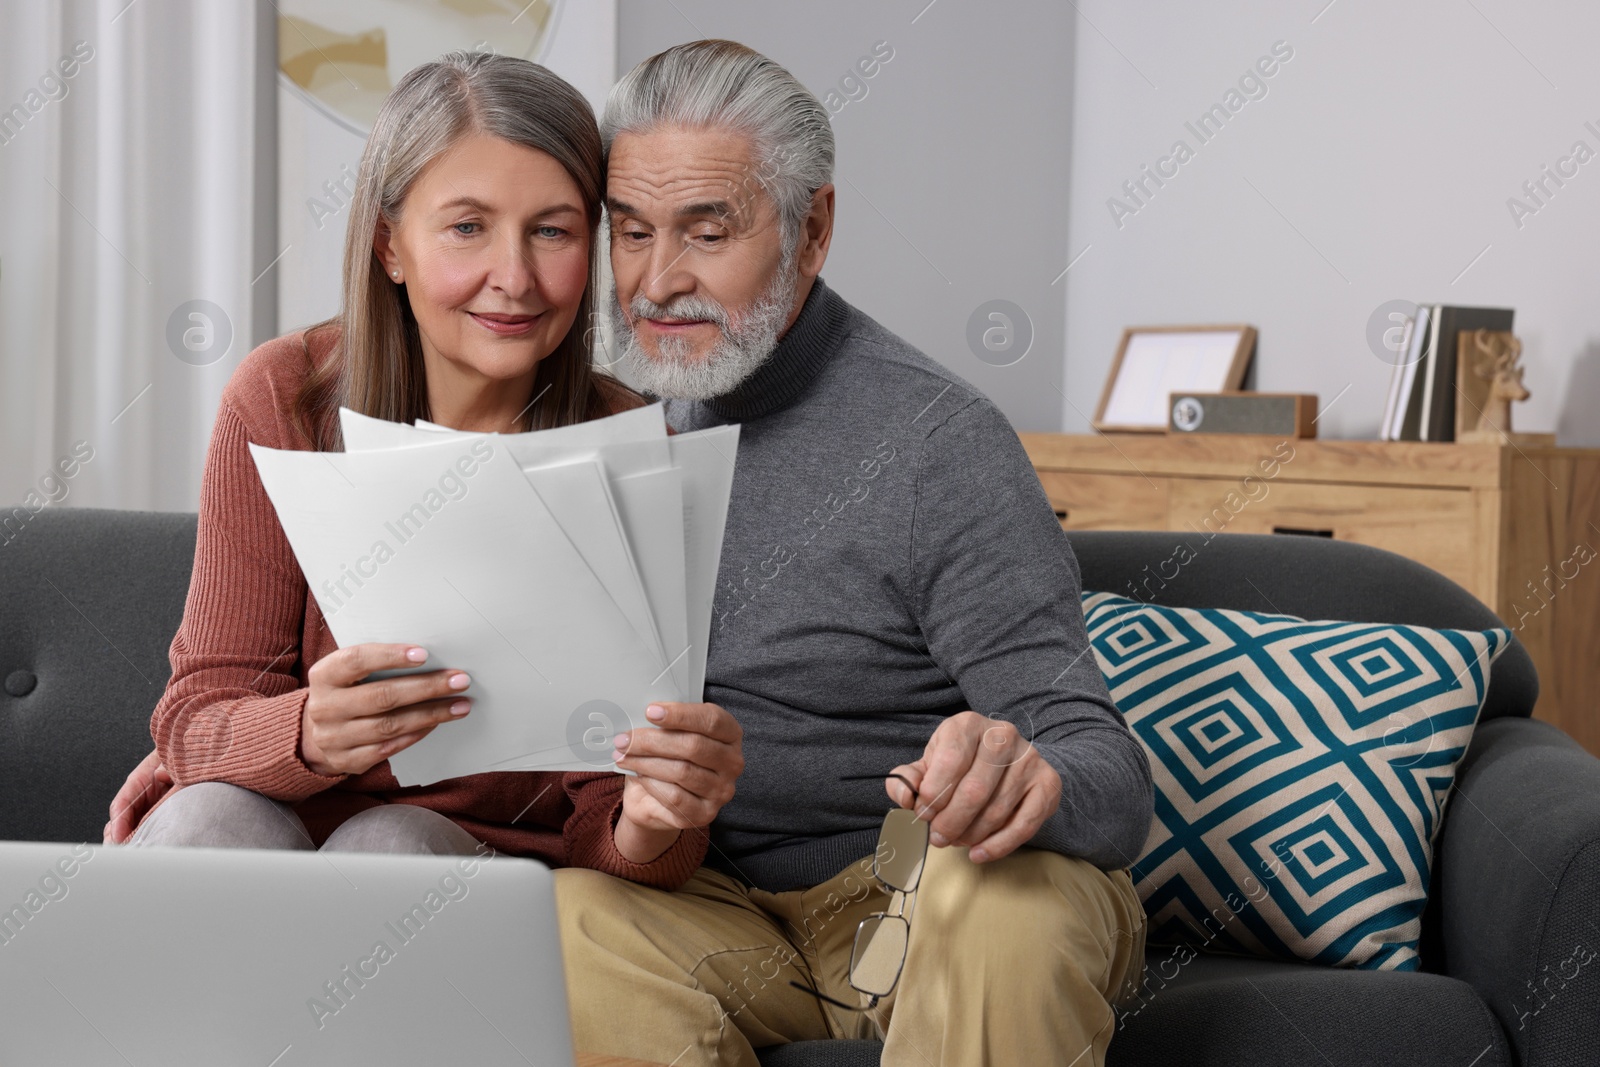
(89, 601)
(1312, 577)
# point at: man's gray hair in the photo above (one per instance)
(723, 84)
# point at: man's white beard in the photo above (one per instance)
(678, 373)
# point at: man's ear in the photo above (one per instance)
(816, 233)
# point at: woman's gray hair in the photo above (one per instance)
(723, 84)
(378, 369)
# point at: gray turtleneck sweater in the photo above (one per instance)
(890, 559)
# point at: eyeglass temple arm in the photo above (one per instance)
(836, 1003)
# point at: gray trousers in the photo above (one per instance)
(219, 815)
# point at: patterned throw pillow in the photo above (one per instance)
(1301, 770)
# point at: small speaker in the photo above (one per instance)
(1275, 414)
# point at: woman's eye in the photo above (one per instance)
(552, 232)
(466, 229)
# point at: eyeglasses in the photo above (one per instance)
(879, 954)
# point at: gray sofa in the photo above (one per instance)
(91, 600)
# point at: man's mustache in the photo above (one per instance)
(683, 307)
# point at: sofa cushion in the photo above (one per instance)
(1300, 769)
(1216, 1011)
(1224, 1012)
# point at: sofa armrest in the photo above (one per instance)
(1519, 887)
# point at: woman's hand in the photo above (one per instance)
(684, 773)
(146, 784)
(350, 726)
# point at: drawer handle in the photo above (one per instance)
(1299, 531)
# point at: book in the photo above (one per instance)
(1453, 322)
(1395, 376)
(1408, 412)
(1430, 376)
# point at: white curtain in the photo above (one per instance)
(137, 193)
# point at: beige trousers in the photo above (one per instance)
(1012, 963)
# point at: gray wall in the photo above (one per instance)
(1378, 166)
(952, 168)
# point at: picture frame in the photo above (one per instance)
(1153, 362)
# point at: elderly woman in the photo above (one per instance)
(468, 272)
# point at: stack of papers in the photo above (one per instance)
(570, 572)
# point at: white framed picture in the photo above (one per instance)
(1153, 362)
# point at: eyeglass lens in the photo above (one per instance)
(902, 850)
(879, 953)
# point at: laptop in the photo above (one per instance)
(129, 957)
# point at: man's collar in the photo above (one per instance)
(798, 358)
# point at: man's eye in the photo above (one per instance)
(710, 238)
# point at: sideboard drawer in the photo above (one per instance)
(1087, 501)
(1431, 526)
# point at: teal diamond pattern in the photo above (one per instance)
(1301, 770)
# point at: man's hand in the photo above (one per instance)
(684, 772)
(146, 784)
(980, 783)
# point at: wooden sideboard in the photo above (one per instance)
(1517, 526)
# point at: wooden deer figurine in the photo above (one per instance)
(1496, 363)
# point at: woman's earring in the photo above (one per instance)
(396, 275)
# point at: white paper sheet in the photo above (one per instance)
(627, 447)
(447, 545)
(604, 545)
(650, 507)
(706, 458)
(705, 461)
(581, 501)
(571, 572)
(636, 424)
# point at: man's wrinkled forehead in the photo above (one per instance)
(681, 173)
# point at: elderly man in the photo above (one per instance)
(897, 605)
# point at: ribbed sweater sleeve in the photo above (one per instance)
(997, 591)
(232, 709)
(591, 842)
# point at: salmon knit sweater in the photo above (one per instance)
(251, 630)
